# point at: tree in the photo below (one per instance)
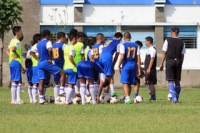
(10, 15)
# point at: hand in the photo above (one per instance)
(98, 100)
(148, 71)
(15, 56)
(161, 67)
(23, 70)
(120, 69)
(138, 72)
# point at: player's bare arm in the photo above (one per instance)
(34, 55)
(14, 51)
(116, 57)
(120, 62)
(139, 64)
(72, 60)
(8, 51)
(162, 60)
(50, 52)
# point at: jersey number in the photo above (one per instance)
(129, 52)
(96, 53)
(55, 53)
(107, 43)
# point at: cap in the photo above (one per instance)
(175, 29)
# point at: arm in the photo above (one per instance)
(50, 54)
(34, 55)
(116, 57)
(13, 49)
(8, 51)
(120, 62)
(182, 59)
(71, 58)
(138, 64)
(162, 60)
(150, 66)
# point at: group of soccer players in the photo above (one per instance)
(79, 70)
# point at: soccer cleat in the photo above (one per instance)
(152, 100)
(128, 102)
(13, 103)
(113, 94)
(20, 102)
(174, 100)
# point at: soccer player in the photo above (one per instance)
(34, 59)
(44, 49)
(106, 61)
(130, 61)
(88, 71)
(173, 52)
(15, 62)
(70, 67)
(58, 60)
(89, 54)
(150, 67)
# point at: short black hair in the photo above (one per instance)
(118, 34)
(16, 29)
(82, 35)
(150, 39)
(46, 33)
(36, 38)
(175, 29)
(139, 43)
(60, 35)
(71, 36)
(127, 35)
(21, 38)
(73, 31)
(100, 34)
(91, 41)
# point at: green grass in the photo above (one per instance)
(157, 117)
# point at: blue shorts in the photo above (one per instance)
(15, 70)
(72, 76)
(107, 66)
(45, 67)
(128, 76)
(29, 74)
(57, 77)
(85, 71)
(35, 78)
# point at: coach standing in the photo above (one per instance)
(173, 51)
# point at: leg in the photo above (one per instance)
(30, 92)
(136, 89)
(41, 90)
(92, 90)
(153, 92)
(62, 81)
(83, 89)
(13, 92)
(112, 89)
(35, 93)
(177, 89)
(171, 88)
(127, 88)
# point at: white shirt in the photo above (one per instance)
(118, 47)
(165, 47)
(152, 52)
(122, 49)
(100, 49)
(82, 50)
(28, 55)
(16, 44)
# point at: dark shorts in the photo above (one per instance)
(173, 70)
(137, 80)
(152, 77)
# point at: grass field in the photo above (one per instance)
(147, 117)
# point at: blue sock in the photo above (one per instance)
(172, 90)
(177, 89)
(148, 87)
(135, 95)
(153, 96)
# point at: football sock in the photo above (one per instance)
(106, 94)
(56, 90)
(65, 89)
(13, 92)
(82, 91)
(135, 95)
(61, 90)
(72, 94)
(112, 88)
(92, 92)
(127, 98)
(34, 93)
(77, 86)
(18, 92)
(96, 87)
(153, 96)
(172, 90)
(177, 89)
(68, 95)
(30, 93)
(41, 98)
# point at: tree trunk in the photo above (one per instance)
(1, 59)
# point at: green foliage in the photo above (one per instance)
(10, 15)
(147, 117)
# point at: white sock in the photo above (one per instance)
(65, 89)
(19, 92)
(92, 92)
(61, 90)
(68, 95)
(76, 89)
(13, 92)
(82, 91)
(127, 98)
(34, 94)
(41, 98)
(96, 87)
(77, 86)
(72, 93)
(56, 90)
(112, 89)
(30, 93)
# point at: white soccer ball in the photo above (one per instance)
(139, 99)
(76, 100)
(105, 99)
(114, 100)
(169, 97)
(88, 99)
(60, 100)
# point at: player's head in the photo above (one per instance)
(100, 38)
(174, 31)
(149, 41)
(127, 36)
(81, 37)
(17, 31)
(139, 43)
(61, 36)
(72, 38)
(36, 38)
(106, 83)
(21, 38)
(118, 36)
(91, 41)
(46, 34)
(73, 31)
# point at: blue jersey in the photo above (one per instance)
(110, 47)
(58, 53)
(42, 50)
(130, 57)
(95, 49)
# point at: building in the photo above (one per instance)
(140, 17)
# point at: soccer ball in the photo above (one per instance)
(122, 99)
(60, 100)
(114, 100)
(105, 99)
(139, 99)
(88, 99)
(76, 100)
(169, 97)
